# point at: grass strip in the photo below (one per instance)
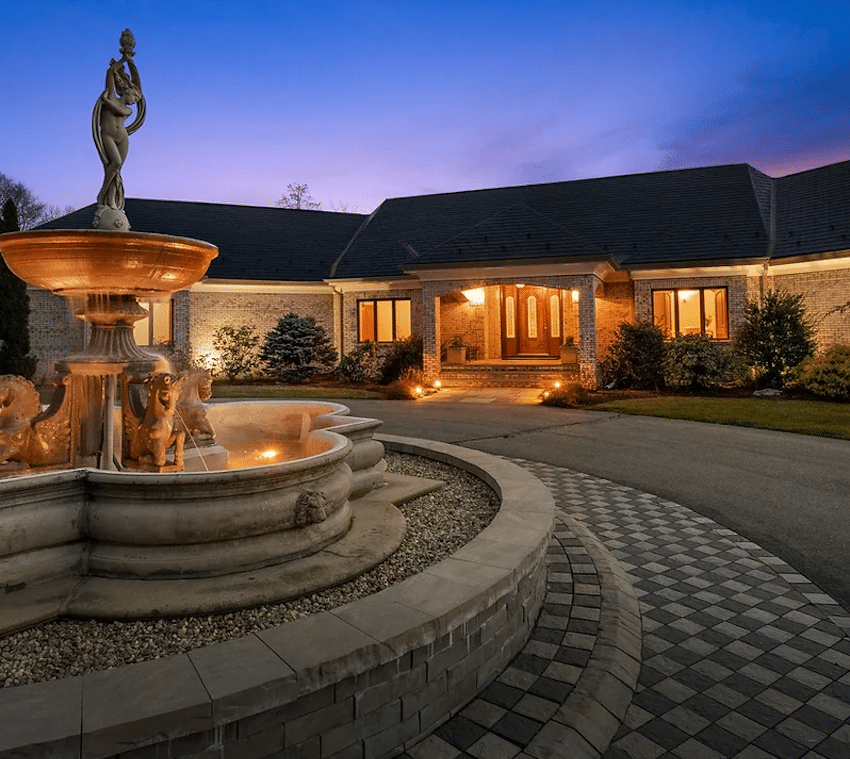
(805, 417)
(291, 391)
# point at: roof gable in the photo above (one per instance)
(658, 218)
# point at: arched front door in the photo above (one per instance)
(531, 321)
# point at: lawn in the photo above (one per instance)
(803, 416)
(222, 390)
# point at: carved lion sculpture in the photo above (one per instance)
(310, 508)
(159, 430)
(197, 387)
(19, 406)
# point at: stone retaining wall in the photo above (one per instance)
(363, 680)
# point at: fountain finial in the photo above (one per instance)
(111, 135)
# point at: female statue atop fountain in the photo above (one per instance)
(111, 135)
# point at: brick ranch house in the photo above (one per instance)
(512, 271)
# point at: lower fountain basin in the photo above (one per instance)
(149, 527)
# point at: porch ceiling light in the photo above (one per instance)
(575, 296)
(475, 296)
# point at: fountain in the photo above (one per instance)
(101, 513)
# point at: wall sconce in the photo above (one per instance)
(475, 296)
(575, 296)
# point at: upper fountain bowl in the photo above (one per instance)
(91, 261)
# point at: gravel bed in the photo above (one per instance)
(437, 525)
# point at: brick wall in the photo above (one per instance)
(822, 291)
(465, 320)
(208, 311)
(54, 331)
(615, 304)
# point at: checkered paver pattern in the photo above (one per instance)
(742, 656)
(520, 711)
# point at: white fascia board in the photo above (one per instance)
(373, 285)
(602, 270)
(691, 272)
(260, 286)
(777, 268)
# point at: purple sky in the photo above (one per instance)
(365, 100)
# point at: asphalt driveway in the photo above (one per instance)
(788, 493)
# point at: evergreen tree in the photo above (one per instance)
(297, 348)
(14, 309)
(775, 336)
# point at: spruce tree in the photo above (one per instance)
(14, 308)
(297, 348)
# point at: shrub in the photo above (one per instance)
(178, 360)
(297, 348)
(402, 355)
(569, 395)
(827, 374)
(404, 388)
(696, 362)
(636, 357)
(237, 347)
(775, 337)
(363, 364)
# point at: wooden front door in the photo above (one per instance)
(531, 321)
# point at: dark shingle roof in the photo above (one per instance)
(253, 242)
(662, 218)
(813, 211)
(517, 232)
(668, 218)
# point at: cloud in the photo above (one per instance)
(771, 122)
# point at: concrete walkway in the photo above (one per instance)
(743, 654)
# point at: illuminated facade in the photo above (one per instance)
(512, 273)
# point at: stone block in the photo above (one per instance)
(24, 731)
(417, 700)
(347, 734)
(142, 704)
(243, 677)
(304, 704)
(387, 742)
(384, 618)
(265, 743)
(324, 648)
(375, 696)
(315, 723)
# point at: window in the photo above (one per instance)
(383, 321)
(555, 315)
(694, 311)
(531, 305)
(510, 317)
(155, 328)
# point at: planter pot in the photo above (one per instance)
(569, 354)
(456, 355)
